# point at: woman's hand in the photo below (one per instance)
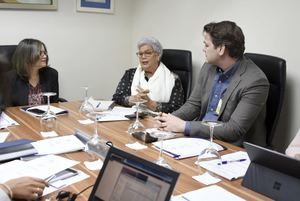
(26, 187)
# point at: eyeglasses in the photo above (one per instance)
(146, 54)
(42, 53)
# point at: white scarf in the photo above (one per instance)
(160, 84)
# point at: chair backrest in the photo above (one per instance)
(180, 62)
(6, 53)
(275, 70)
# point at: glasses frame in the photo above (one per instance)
(147, 54)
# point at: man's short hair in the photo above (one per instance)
(229, 34)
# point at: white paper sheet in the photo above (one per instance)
(6, 121)
(94, 165)
(136, 146)
(231, 170)
(206, 179)
(100, 105)
(116, 114)
(42, 167)
(3, 136)
(85, 121)
(210, 193)
(185, 147)
(58, 145)
(49, 134)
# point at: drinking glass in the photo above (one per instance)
(86, 107)
(210, 152)
(48, 119)
(96, 146)
(137, 126)
(161, 135)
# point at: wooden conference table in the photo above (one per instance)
(116, 132)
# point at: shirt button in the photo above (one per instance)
(216, 96)
(211, 109)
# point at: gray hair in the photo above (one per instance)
(153, 42)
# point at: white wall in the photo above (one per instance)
(94, 49)
(86, 48)
(270, 27)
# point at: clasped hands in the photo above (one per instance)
(143, 94)
(169, 122)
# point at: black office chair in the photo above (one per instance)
(275, 70)
(6, 53)
(180, 62)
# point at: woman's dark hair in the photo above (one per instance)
(26, 55)
(229, 34)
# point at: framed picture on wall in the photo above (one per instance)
(99, 6)
(29, 4)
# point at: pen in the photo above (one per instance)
(98, 104)
(172, 154)
(185, 198)
(226, 162)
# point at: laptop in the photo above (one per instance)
(129, 178)
(271, 173)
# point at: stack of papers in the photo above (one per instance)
(211, 193)
(39, 110)
(100, 105)
(16, 149)
(185, 147)
(58, 145)
(6, 121)
(116, 114)
(236, 165)
(42, 167)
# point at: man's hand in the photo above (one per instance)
(169, 122)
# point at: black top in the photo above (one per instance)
(123, 91)
(18, 87)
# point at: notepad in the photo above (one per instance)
(180, 148)
(229, 171)
(58, 145)
(39, 110)
(16, 149)
(101, 105)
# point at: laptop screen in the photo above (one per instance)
(129, 178)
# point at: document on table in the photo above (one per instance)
(100, 105)
(3, 136)
(58, 145)
(6, 121)
(39, 110)
(210, 193)
(185, 147)
(235, 168)
(116, 114)
(42, 167)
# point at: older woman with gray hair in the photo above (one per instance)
(151, 80)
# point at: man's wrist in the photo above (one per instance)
(187, 128)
